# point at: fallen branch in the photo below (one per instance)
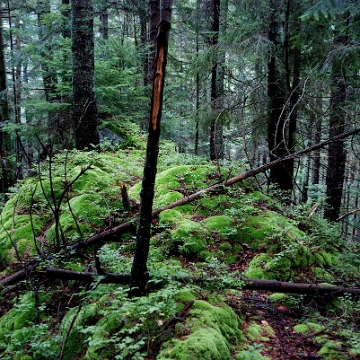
(347, 214)
(248, 284)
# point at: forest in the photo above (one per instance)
(179, 179)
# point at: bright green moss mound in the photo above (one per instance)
(269, 229)
(220, 224)
(169, 182)
(215, 331)
(190, 238)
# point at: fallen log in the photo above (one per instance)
(248, 284)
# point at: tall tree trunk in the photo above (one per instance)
(197, 79)
(139, 272)
(16, 87)
(214, 80)
(5, 142)
(276, 96)
(85, 114)
(318, 129)
(336, 152)
(154, 19)
(104, 21)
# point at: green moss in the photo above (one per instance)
(221, 224)
(168, 198)
(185, 295)
(331, 350)
(170, 217)
(259, 332)
(175, 178)
(329, 259)
(226, 247)
(256, 268)
(190, 238)
(322, 274)
(308, 328)
(90, 208)
(269, 228)
(214, 330)
(212, 204)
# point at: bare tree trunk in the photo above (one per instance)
(139, 272)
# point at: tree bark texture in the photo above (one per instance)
(277, 141)
(85, 114)
(214, 80)
(5, 141)
(336, 152)
(139, 273)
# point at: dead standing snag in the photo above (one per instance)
(139, 272)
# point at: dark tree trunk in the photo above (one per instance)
(336, 153)
(139, 272)
(154, 19)
(104, 21)
(317, 153)
(85, 115)
(282, 114)
(214, 81)
(276, 94)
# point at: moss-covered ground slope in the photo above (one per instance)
(227, 235)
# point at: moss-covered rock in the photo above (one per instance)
(190, 238)
(214, 331)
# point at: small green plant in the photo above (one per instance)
(253, 352)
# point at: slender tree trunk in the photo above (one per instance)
(139, 272)
(317, 153)
(197, 80)
(85, 114)
(154, 19)
(104, 21)
(16, 87)
(5, 141)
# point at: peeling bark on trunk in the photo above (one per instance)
(139, 272)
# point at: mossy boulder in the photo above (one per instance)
(215, 331)
(221, 224)
(190, 238)
(269, 230)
